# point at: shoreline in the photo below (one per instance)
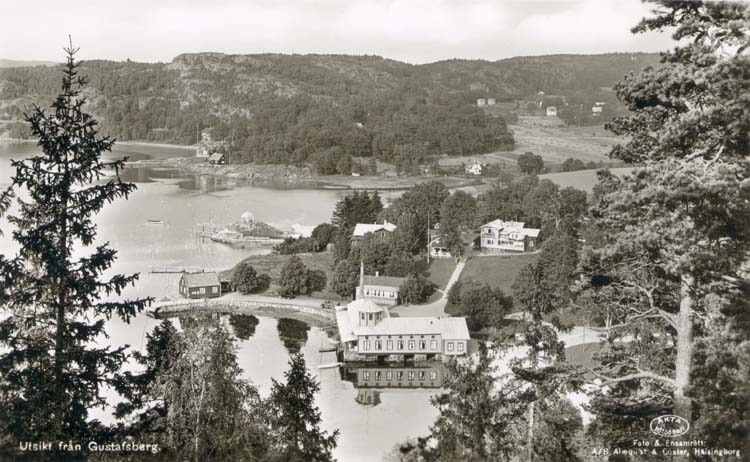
(282, 176)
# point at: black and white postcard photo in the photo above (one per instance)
(375, 231)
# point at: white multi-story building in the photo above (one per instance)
(507, 236)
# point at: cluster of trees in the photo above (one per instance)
(187, 397)
(530, 163)
(661, 259)
(297, 279)
(572, 165)
(246, 280)
(321, 236)
(483, 306)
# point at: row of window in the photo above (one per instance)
(411, 344)
(410, 375)
(379, 293)
(202, 290)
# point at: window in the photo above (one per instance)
(433, 344)
(366, 345)
(421, 375)
(400, 375)
(422, 344)
(400, 345)
(369, 316)
(366, 375)
(411, 375)
(460, 346)
(433, 375)
(489, 242)
(214, 289)
(450, 346)
(389, 345)
(411, 344)
(377, 376)
(202, 291)
(378, 345)
(389, 375)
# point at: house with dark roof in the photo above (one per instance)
(217, 158)
(200, 285)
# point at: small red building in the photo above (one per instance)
(200, 285)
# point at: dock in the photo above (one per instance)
(211, 228)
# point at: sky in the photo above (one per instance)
(415, 31)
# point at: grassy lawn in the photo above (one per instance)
(440, 271)
(582, 355)
(497, 271)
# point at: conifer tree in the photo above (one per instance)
(676, 234)
(295, 420)
(54, 299)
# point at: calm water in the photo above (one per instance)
(181, 200)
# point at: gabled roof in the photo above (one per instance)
(383, 281)
(499, 224)
(215, 157)
(363, 228)
(201, 279)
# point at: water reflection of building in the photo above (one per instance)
(426, 375)
(369, 380)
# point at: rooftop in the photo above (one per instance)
(363, 228)
(201, 279)
(383, 281)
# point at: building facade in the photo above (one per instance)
(383, 290)
(507, 236)
(368, 330)
(200, 285)
(378, 230)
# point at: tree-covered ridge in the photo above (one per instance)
(319, 109)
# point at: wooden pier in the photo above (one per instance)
(210, 228)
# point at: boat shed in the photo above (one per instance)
(200, 285)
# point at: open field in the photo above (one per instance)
(584, 180)
(497, 271)
(554, 144)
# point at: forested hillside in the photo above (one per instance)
(321, 109)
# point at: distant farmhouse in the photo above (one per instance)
(380, 231)
(438, 247)
(473, 167)
(507, 236)
(491, 101)
(217, 158)
(200, 285)
(481, 102)
(551, 111)
(207, 146)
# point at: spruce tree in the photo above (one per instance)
(54, 303)
(295, 420)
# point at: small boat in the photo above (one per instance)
(329, 365)
(155, 222)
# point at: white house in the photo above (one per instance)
(438, 247)
(507, 236)
(551, 111)
(474, 167)
(481, 102)
(491, 101)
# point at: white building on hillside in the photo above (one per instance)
(507, 236)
